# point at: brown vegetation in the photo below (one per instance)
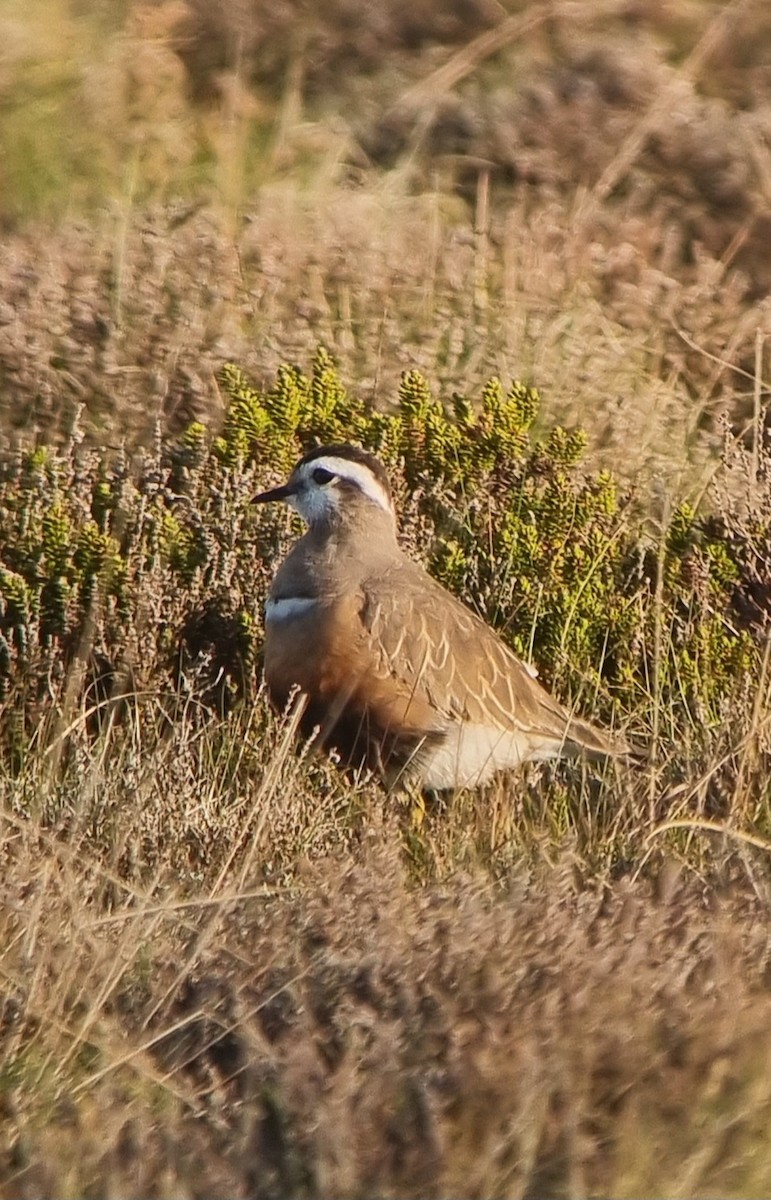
(354, 1036)
(224, 968)
(597, 222)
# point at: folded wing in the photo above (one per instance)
(435, 650)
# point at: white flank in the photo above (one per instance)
(288, 607)
(471, 754)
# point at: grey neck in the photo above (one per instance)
(334, 555)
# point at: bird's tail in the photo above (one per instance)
(584, 740)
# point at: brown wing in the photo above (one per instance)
(440, 652)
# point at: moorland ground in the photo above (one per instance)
(225, 968)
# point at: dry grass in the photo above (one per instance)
(599, 226)
(225, 970)
(283, 1012)
(132, 321)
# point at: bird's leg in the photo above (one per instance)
(417, 798)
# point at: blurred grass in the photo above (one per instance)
(55, 155)
(186, 180)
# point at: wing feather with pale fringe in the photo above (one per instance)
(425, 641)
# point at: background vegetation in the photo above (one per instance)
(522, 251)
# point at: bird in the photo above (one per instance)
(393, 672)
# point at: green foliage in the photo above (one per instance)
(273, 425)
(523, 530)
(709, 654)
(16, 615)
(246, 423)
(514, 523)
(183, 546)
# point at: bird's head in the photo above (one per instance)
(332, 483)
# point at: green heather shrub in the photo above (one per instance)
(160, 565)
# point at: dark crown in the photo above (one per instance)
(353, 454)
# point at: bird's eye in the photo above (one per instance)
(321, 476)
